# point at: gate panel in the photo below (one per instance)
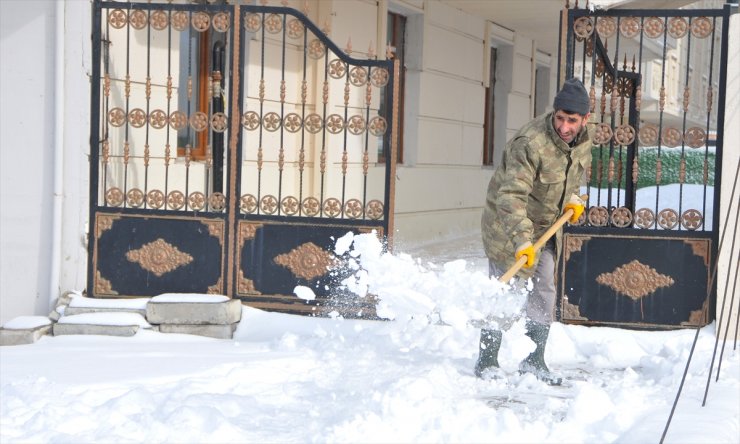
(314, 121)
(209, 118)
(656, 83)
(147, 256)
(643, 280)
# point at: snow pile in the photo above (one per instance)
(406, 290)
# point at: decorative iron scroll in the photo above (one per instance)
(159, 257)
(307, 261)
(635, 280)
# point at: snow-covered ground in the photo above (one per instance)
(288, 378)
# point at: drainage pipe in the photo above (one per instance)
(58, 157)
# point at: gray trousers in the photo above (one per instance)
(540, 305)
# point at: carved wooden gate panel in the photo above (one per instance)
(642, 253)
(230, 147)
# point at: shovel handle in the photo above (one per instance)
(540, 243)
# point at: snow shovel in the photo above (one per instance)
(540, 243)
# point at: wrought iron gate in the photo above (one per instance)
(230, 147)
(643, 252)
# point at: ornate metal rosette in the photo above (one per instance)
(137, 117)
(197, 201)
(311, 206)
(201, 21)
(313, 123)
(114, 197)
(337, 69)
(252, 22)
(353, 209)
(316, 49)
(219, 122)
(179, 20)
(378, 126)
(295, 28)
(178, 120)
(692, 219)
(273, 24)
(356, 125)
(649, 135)
(217, 201)
(374, 209)
(621, 217)
(358, 76)
(598, 216)
(199, 121)
(606, 27)
(268, 204)
(629, 27)
(250, 120)
(695, 137)
(668, 219)
(117, 117)
(332, 207)
(135, 198)
(158, 20)
(334, 124)
(137, 19)
(175, 200)
(624, 135)
(379, 77)
(292, 123)
(583, 27)
(158, 119)
(248, 204)
(653, 27)
(671, 137)
(602, 134)
(624, 87)
(677, 27)
(271, 121)
(289, 205)
(155, 199)
(701, 27)
(221, 22)
(644, 218)
(117, 18)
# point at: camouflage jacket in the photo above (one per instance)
(537, 176)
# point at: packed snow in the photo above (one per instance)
(286, 378)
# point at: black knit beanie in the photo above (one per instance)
(572, 97)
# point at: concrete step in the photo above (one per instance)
(24, 330)
(193, 309)
(224, 331)
(100, 323)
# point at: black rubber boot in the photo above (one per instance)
(490, 342)
(535, 362)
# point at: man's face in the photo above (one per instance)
(568, 125)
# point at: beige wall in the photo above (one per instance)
(728, 292)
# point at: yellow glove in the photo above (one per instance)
(525, 249)
(577, 205)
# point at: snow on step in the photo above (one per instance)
(24, 330)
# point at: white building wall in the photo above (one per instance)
(26, 140)
(32, 130)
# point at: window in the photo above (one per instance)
(202, 59)
(490, 112)
(397, 41)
